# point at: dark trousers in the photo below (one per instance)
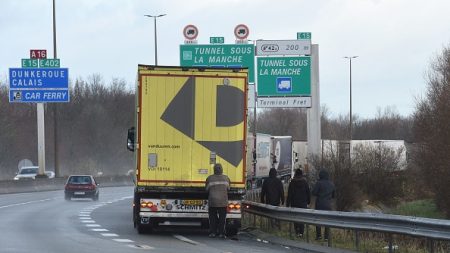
(299, 228)
(217, 217)
(319, 232)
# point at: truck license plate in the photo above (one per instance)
(192, 202)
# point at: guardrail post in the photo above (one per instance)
(329, 242)
(430, 245)
(290, 230)
(357, 240)
(307, 233)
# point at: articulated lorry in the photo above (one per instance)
(271, 152)
(187, 120)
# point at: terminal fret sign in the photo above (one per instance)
(40, 80)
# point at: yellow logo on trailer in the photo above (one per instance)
(191, 119)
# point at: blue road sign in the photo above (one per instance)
(284, 84)
(38, 78)
(38, 96)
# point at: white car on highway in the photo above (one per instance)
(30, 172)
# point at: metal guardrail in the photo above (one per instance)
(432, 229)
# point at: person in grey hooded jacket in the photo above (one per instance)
(217, 186)
(324, 190)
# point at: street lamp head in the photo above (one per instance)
(157, 16)
(351, 57)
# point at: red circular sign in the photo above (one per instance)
(190, 32)
(241, 31)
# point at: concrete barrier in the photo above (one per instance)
(53, 184)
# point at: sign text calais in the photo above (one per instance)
(226, 55)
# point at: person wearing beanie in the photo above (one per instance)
(299, 196)
(217, 186)
(272, 193)
(324, 190)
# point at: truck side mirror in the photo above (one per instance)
(130, 139)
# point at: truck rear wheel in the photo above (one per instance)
(231, 231)
(144, 229)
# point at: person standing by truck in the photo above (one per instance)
(299, 195)
(217, 186)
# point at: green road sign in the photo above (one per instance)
(216, 40)
(304, 36)
(49, 63)
(30, 63)
(226, 55)
(284, 76)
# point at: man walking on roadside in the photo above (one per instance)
(324, 190)
(272, 192)
(299, 195)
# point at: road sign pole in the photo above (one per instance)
(41, 138)
(313, 115)
(55, 110)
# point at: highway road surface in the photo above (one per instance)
(43, 222)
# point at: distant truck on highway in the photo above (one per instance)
(271, 152)
(187, 120)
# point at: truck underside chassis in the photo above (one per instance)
(153, 213)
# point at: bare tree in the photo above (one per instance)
(92, 129)
(432, 130)
(280, 121)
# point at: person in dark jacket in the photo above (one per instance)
(217, 186)
(324, 191)
(299, 195)
(272, 193)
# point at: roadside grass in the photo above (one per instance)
(420, 208)
(345, 239)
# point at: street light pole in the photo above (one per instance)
(351, 121)
(156, 38)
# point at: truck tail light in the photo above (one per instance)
(233, 207)
(146, 204)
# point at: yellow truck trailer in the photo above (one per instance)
(187, 120)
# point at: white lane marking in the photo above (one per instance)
(184, 239)
(100, 230)
(85, 218)
(88, 221)
(93, 225)
(84, 215)
(123, 240)
(25, 203)
(85, 212)
(109, 234)
(140, 246)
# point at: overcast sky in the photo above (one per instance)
(394, 39)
